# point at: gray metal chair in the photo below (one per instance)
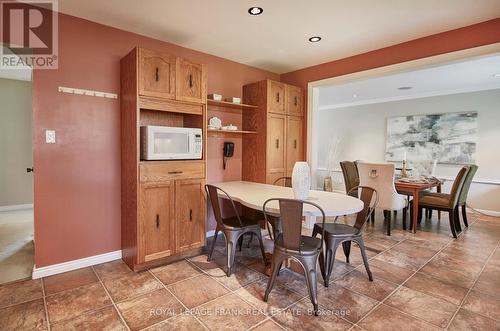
(232, 227)
(335, 234)
(287, 181)
(290, 243)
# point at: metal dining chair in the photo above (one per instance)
(335, 234)
(287, 181)
(290, 243)
(232, 227)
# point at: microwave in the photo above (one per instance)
(170, 143)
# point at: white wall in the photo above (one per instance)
(362, 130)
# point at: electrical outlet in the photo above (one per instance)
(50, 136)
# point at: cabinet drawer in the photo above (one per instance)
(155, 171)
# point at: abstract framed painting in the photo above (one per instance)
(450, 137)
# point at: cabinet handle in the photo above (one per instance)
(295, 101)
(278, 97)
(157, 220)
(190, 80)
(295, 144)
(277, 143)
(190, 215)
(174, 172)
(157, 74)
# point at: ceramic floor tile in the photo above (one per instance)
(241, 276)
(131, 285)
(21, 291)
(198, 290)
(229, 312)
(105, 319)
(489, 281)
(358, 281)
(183, 322)
(423, 306)
(71, 303)
(301, 317)
(466, 320)
(149, 309)
(295, 281)
(69, 280)
(175, 272)
(437, 288)
(268, 325)
(385, 318)
(24, 316)
(484, 304)
(114, 269)
(389, 271)
(348, 304)
(447, 275)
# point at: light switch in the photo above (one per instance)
(50, 136)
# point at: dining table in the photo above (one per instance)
(413, 187)
(253, 195)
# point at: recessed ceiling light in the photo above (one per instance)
(314, 39)
(255, 10)
(496, 75)
(354, 95)
(402, 88)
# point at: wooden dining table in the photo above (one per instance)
(413, 188)
(253, 195)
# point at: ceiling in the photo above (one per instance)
(465, 76)
(277, 39)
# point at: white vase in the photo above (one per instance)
(301, 180)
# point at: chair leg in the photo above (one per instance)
(420, 212)
(250, 240)
(456, 212)
(430, 214)
(395, 214)
(405, 211)
(262, 250)
(464, 216)
(331, 250)
(411, 216)
(309, 263)
(240, 243)
(346, 246)
(232, 240)
(373, 217)
(389, 223)
(275, 267)
(361, 245)
(209, 258)
(451, 215)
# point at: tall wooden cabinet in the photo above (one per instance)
(162, 202)
(278, 121)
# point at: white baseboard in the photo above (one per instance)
(16, 207)
(488, 212)
(75, 264)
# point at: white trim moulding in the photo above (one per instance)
(91, 93)
(16, 207)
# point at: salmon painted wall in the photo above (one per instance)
(77, 180)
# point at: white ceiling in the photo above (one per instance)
(466, 76)
(277, 39)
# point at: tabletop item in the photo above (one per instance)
(230, 127)
(301, 180)
(234, 100)
(216, 97)
(214, 123)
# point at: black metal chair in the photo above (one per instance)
(232, 227)
(336, 234)
(290, 243)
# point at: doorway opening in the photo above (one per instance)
(17, 249)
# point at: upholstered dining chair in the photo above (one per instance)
(290, 243)
(232, 227)
(462, 199)
(444, 201)
(380, 177)
(336, 234)
(351, 176)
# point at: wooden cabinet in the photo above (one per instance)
(191, 81)
(294, 143)
(156, 74)
(294, 100)
(189, 214)
(278, 120)
(276, 97)
(156, 221)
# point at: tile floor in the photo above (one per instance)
(423, 281)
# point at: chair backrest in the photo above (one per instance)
(370, 200)
(457, 186)
(213, 194)
(291, 211)
(380, 177)
(351, 176)
(287, 181)
(462, 200)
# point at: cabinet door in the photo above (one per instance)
(276, 143)
(276, 97)
(156, 74)
(191, 81)
(294, 100)
(294, 143)
(189, 214)
(156, 226)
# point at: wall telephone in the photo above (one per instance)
(228, 152)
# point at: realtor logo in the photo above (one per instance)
(29, 34)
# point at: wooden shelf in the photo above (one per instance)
(215, 133)
(230, 104)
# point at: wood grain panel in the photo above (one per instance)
(276, 143)
(191, 81)
(166, 105)
(275, 97)
(156, 74)
(294, 142)
(154, 117)
(190, 211)
(158, 171)
(294, 100)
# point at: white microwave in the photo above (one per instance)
(170, 143)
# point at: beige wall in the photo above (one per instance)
(363, 132)
(16, 186)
